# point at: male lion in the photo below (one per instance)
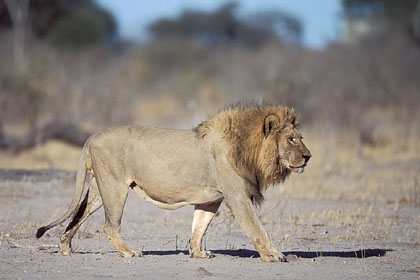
(234, 156)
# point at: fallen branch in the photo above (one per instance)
(42, 247)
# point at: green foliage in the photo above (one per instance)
(5, 20)
(75, 23)
(284, 25)
(223, 27)
(82, 27)
(403, 14)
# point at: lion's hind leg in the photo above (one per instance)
(203, 214)
(114, 196)
(89, 205)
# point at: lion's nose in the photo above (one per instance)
(306, 157)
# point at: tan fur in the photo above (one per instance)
(234, 156)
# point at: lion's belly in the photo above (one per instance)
(173, 200)
(177, 176)
(191, 184)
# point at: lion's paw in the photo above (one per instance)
(273, 257)
(203, 255)
(128, 254)
(65, 249)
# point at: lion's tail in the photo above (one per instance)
(77, 195)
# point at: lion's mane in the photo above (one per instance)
(242, 128)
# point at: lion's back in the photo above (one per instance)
(154, 149)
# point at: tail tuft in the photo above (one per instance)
(40, 232)
(78, 192)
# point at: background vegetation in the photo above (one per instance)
(70, 75)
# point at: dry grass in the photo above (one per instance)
(343, 168)
(51, 155)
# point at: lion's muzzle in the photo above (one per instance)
(300, 168)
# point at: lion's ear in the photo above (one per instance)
(271, 122)
(295, 121)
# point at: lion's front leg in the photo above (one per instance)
(203, 214)
(234, 189)
(244, 213)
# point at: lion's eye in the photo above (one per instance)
(292, 140)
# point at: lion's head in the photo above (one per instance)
(264, 143)
(292, 154)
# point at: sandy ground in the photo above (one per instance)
(323, 239)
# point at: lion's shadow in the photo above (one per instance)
(245, 253)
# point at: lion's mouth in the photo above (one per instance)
(297, 169)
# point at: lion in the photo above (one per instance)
(235, 156)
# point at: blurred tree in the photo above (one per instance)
(75, 23)
(403, 14)
(283, 24)
(18, 11)
(223, 27)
